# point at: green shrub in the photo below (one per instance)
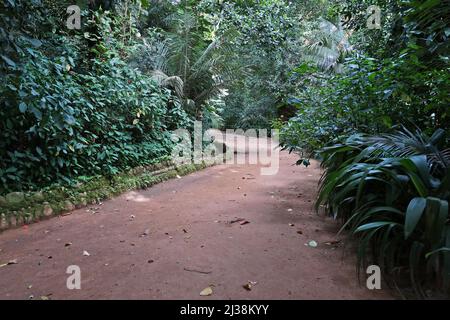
(71, 106)
(392, 192)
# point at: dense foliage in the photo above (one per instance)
(380, 126)
(64, 116)
(392, 191)
(372, 104)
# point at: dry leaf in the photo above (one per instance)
(8, 263)
(249, 285)
(85, 253)
(206, 292)
(333, 242)
(197, 270)
(244, 222)
(237, 220)
(312, 244)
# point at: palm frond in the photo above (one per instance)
(405, 143)
(327, 46)
(171, 82)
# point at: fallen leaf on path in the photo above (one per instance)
(312, 244)
(249, 285)
(85, 253)
(206, 292)
(178, 176)
(291, 224)
(236, 220)
(197, 270)
(14, 261)
(244, 222)
(333, 242)
(67, 244)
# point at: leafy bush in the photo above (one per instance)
(65, 115)
(370, 97)
(392, 192)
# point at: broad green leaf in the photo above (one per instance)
(373, 225)
(22, 107)
(414, 212)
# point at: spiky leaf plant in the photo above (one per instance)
(392, 193)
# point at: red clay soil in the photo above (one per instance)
(181, 236)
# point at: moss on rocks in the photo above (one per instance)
(17, 208)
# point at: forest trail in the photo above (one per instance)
(177, 238)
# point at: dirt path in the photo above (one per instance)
(175, 239)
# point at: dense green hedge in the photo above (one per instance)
(70, 105)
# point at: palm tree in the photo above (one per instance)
(327, 46)
(196, 71)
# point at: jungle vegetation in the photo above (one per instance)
(372, 104)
